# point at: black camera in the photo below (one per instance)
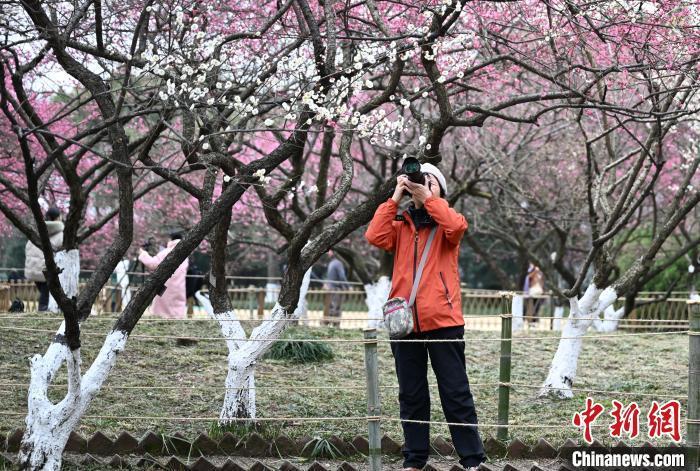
(411, 168)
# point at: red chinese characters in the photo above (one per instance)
(665, 420)
(626, 420)
(662, 419)
(586, 418)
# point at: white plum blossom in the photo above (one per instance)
(260, 174)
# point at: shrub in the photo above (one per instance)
(295, 351)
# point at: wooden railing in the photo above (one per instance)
(255, 302)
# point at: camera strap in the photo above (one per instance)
(419, 271)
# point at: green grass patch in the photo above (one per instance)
(295, 351)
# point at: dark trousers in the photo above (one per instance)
(43, 288)
(336, 305)
(447, 360)
(532, 308)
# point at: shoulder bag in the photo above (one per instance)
(398, 313)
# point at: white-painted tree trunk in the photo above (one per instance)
(302, 310)
(69, 261)
(610, 319)
(562, 371)
(239, 399)
(376, 294)
(272, 291)
(558, 314)
(49, 425)
(517, 310)
(122, 272)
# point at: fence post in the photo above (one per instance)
(118, 301)
(190, 308)
(693, 439)
(504, 367)
(251, 302)
(261, 303)
(5, 301)
(373, 401)
(326, 304)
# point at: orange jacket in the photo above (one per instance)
(439, 299)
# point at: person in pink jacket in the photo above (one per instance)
(172, 304)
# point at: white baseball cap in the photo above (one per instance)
(433, 170)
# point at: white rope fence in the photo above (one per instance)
(335, 319)
(310, 419)
(349, 388)
(358, 341)
(512, 386)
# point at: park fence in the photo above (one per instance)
(374, 416)
(255, 302)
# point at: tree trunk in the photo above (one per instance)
(69, 262)
(558, 314)
(562, 371)
(376, 295)
(49, 425)
(239, 399)
(517, 310)
(610, 321)
(56, 352)
(122, 272)
(272, 287)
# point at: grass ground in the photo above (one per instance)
(194, 375)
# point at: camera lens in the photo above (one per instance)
(412, 167)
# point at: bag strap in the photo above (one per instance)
(419, 271)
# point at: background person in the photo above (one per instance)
(534, 286)
(172, 304)
(437, 315)
(193, 283)
(335, 280)
(34, 264)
